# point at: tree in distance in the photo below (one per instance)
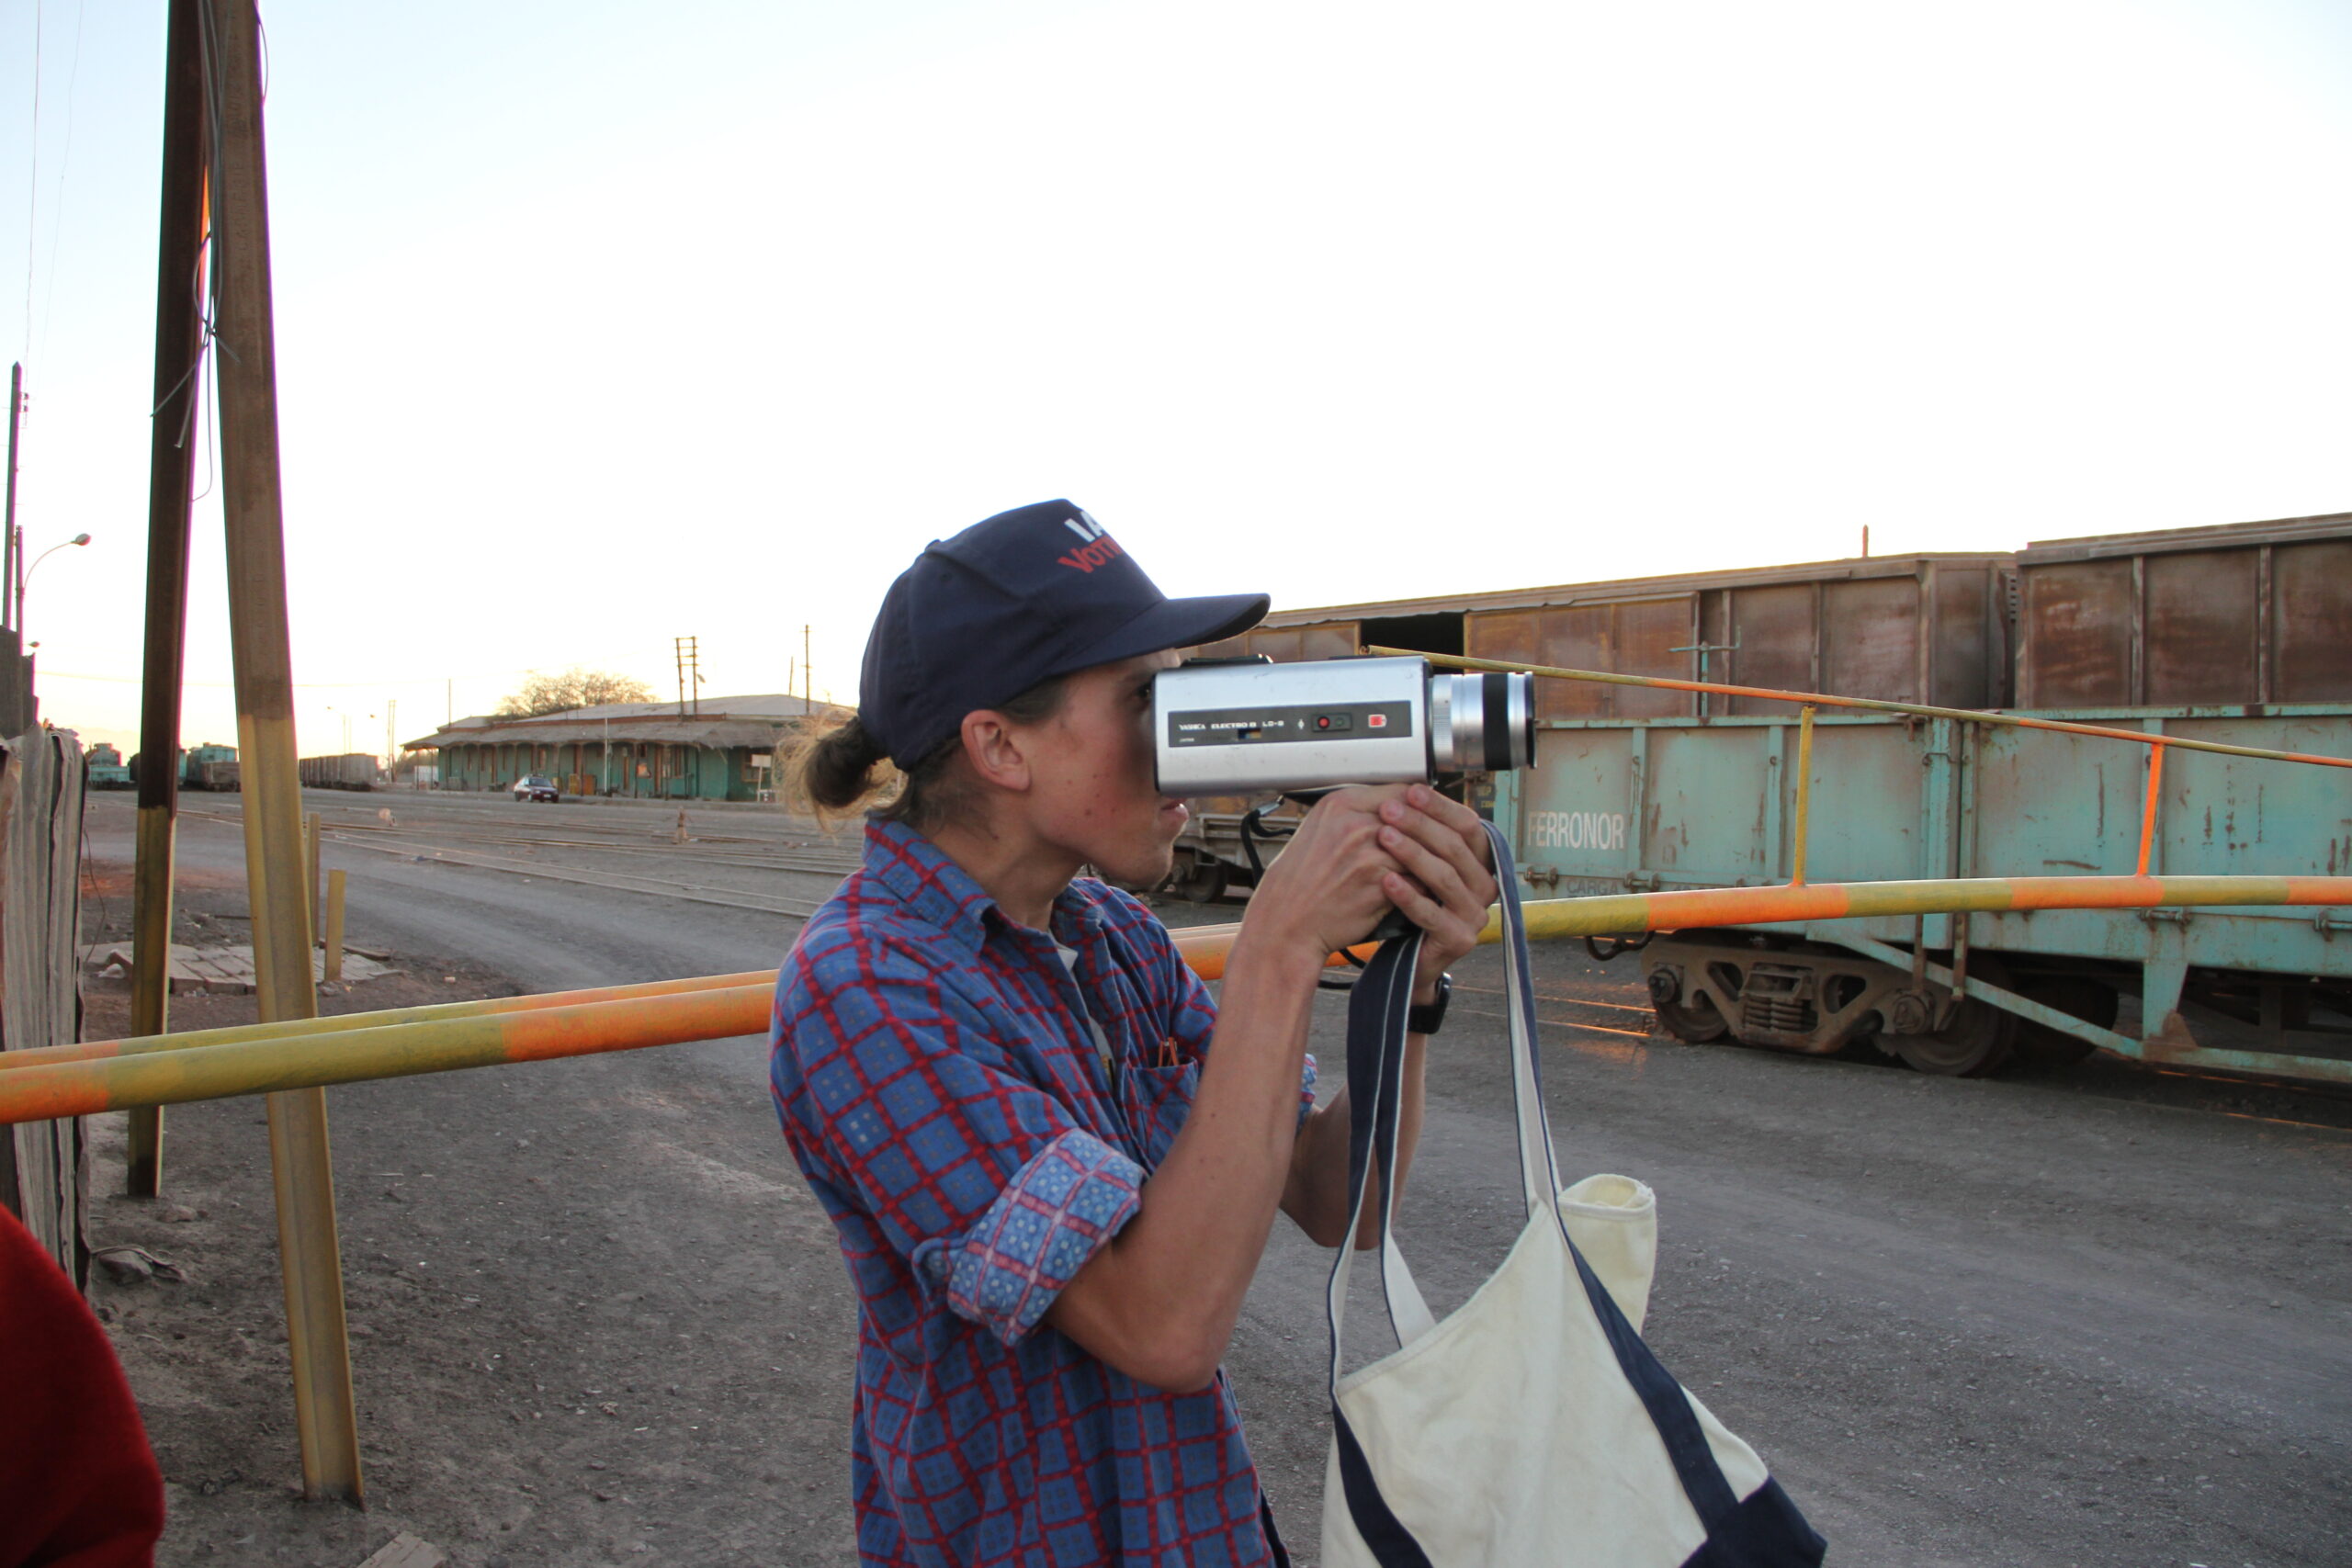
(576, 688)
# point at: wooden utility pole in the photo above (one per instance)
(16, 706)
(252, 513)
(171, 458)
(8, 550)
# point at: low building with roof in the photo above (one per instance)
(721, 749)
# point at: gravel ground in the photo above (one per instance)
(2089, 1316)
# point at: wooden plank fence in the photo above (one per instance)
(43, 1176)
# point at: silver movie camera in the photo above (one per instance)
(1248, 726)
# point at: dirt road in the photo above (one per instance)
(2098, 1316)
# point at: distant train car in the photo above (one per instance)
(352, 770)
(209, 766)
(104, 768)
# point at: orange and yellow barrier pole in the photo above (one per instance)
(216, 1063)
(1701, 907)
(310, 1027)
(389, 1051)
(1622, 914)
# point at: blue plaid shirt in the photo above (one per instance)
(942, 1093)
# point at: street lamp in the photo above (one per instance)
(28, 575)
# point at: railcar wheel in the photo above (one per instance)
(1976, 1042)
(1204, 881)
(1695, 1023)
(2073, 994)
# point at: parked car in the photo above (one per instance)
(537, 786)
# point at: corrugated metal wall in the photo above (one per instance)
(2152, 622)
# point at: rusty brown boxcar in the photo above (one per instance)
(2190, 617)
(2241, 634)
(1909, 629)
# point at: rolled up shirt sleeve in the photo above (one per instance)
(1058, 1211)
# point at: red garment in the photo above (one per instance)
(79, 1487)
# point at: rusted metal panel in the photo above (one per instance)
(1636, 638)
(1287, 645)
(1871, 638)
(1850, 626)
(1968, 638)
(1282, 646)
(1776, 628)
(1576, 638)
(2280, 531)
(1627, 590)
(1642, 636)
(1333, 639)
(2077, 635)
(2201, 627)
(2311, 622)
(1856, 636)
(1517, 636)
(2241, 613)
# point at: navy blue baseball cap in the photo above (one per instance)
(1025, 597)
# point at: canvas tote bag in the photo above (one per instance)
(1533, 1426)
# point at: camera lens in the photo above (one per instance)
(1481, 722)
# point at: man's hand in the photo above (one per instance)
(1365, 849)
(1445, 882)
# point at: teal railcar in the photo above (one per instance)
(2241, 634)
(1674, 803)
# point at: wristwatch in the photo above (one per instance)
(1425, 1020)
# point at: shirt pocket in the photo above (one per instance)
(1158, 1099)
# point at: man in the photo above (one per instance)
(1052, 1159)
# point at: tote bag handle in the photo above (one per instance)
(1376, 1019)
(1375, 1061)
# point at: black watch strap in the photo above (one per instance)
(1425, 1020)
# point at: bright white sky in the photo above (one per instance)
(603, 324)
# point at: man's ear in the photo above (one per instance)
(993, 749)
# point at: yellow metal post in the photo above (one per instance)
(331, 965)
(1804, 797)
(252, 515)
(313, 903)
